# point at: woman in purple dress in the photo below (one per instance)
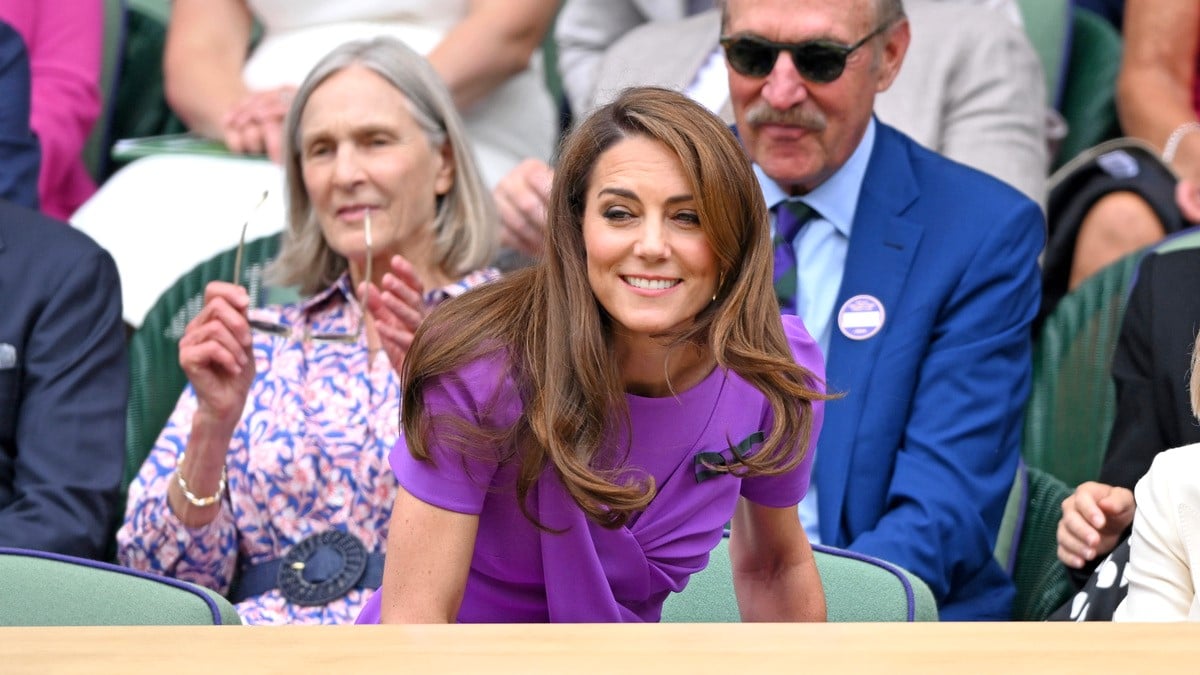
(577, 435)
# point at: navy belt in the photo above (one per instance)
(319, 569)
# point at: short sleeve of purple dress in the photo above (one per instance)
(581, 571)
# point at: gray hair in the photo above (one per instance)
(465, 225)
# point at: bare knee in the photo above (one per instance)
(1117, 225)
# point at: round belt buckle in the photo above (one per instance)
(322, 567)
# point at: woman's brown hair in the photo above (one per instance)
(546, 323)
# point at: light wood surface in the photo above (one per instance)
(728, 649)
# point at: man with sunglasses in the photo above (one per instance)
(918, 276)
(971, 88)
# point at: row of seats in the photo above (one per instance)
(45, 589)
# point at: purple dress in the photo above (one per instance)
(589, 573)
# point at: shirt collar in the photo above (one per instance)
(340, 288)
(837, 198)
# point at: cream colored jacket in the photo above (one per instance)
(1164, 554)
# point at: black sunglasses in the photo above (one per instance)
(818, 61)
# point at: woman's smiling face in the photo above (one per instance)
(649, 263)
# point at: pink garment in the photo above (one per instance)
(65, 40)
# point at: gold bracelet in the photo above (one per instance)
(1172, 144)
(187, 494)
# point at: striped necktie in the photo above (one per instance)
(790, 217)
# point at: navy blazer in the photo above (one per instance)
(915, 463)
(20, 154)
(63, 387)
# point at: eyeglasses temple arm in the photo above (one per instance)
(237, 259)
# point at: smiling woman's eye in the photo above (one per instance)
(688, 217)
(617, 213)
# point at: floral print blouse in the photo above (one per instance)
(310, 454)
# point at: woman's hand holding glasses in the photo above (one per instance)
(397, 307)
(217, 356)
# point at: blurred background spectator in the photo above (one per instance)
(64, 39)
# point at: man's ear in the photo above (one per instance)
(895, 46)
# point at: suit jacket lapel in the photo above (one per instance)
(882, 245)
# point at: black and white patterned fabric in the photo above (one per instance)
(1104, 590)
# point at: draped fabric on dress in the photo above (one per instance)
(589, 573)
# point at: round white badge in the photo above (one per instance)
(861, 317)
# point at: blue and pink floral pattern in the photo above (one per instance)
(310, 454)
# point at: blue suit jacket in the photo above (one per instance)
(916, 461)
(63, 387)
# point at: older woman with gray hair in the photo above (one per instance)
(270, 482)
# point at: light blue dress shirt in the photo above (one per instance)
(821, 249)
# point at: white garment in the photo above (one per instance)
(1164, 549)
(162, 215)
(516, 121)
(710, 87)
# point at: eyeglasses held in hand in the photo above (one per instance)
(285, 331)
(819, 61)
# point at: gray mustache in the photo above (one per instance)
(805, 118)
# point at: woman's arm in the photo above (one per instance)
(774, 572)
(492, 43)
(205, 51)
(428, 557)
(1154, 88)
(153, 538)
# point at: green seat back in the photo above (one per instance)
(140, 108)
(1041, 580)
(47, 589)
(1089, 90)
(1048, 25)
(1071, 406)
(549, 51)
(95, 149)
(1009, 535)
(1189, 238)
(155, 377)
(857, 588)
